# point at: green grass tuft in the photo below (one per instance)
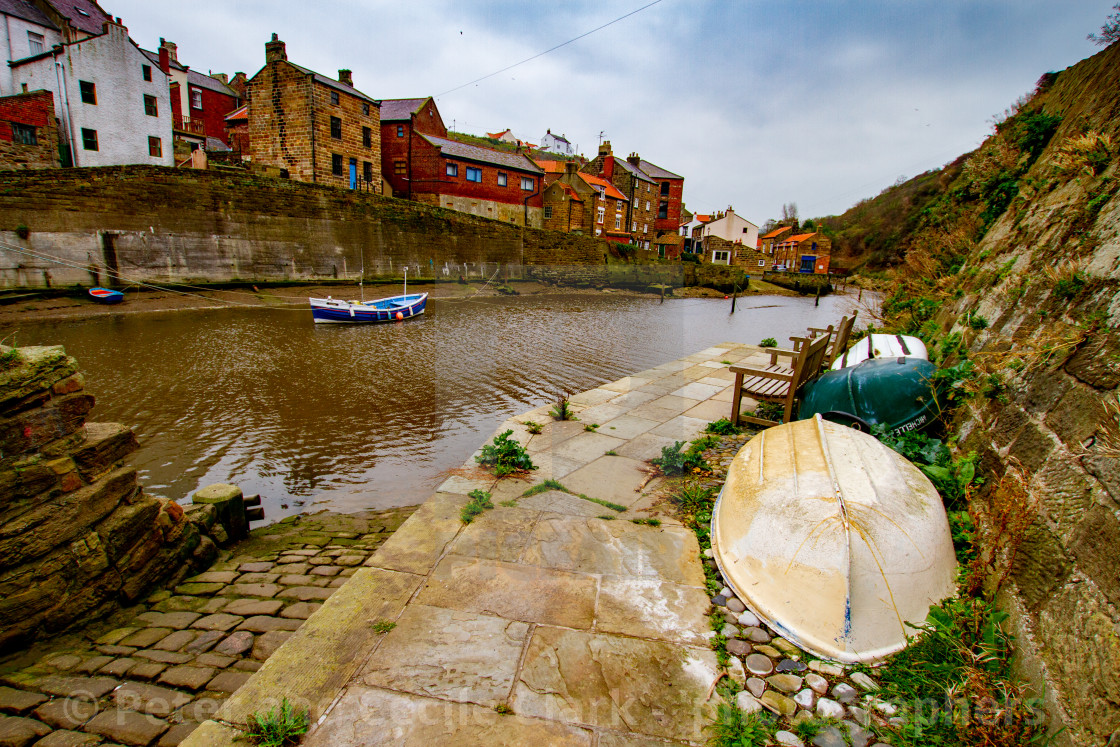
(278, 727)
(383, 626)
(479, 502)
(648, 522)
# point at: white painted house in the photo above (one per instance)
(25, 31)
(113, 104)
(729, 227)
(551, 143)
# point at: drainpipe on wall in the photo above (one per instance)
(408, 174)
(311, 109)
(536, 191)
(64, 91)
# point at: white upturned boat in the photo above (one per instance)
(881, 346)
(833, 539)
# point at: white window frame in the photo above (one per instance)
(34, 40)
(528, 184)
(602, 215)
(452, 169)
(503, 179)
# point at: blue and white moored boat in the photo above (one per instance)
(105, 295)
(396, 308)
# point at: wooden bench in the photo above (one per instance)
(839, 342)
(777, 383)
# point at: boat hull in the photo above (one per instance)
(881, 346)
(105, 296)
(833, 539)
(394, 309)
(897, 393)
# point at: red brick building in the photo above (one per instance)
(313, 128)
(584, 203)
(28, 131)
(491, 183)
(199, 103)
(401, 121)
(640, 191)
(670, 196)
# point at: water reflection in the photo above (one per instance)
(350, 417)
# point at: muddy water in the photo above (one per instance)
(361, 417)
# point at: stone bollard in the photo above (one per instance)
(229, 505)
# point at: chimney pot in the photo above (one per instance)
(605, 148)
(570, 168)
(275, 50)
(346, 77)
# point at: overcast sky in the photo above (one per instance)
(755, 102)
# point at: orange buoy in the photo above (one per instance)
(400, 315)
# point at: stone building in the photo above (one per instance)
(28, 131)
(641, 192)
(803, 252)
(576, 202)
(312, 128)
(114, 106)
(731, 229)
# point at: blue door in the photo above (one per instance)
(353, 173)
(808, 263)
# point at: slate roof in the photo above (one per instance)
(154, 57)
(657, 172)
(83, 14)
(331, 83)
(195, 78)
(554, 136)
(26, 11)
(396, 110)
(455, 149)
(623, 163)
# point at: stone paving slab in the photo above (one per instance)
(538, 622)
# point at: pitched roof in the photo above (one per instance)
(703, 218)
(241, 112)
(554, 136)
(571, 192)
(633, 169)
(609, 190)
(26, 11)
(657, 172)
(455, 149)
(331, 83)
(154, 57)
(196, 78)
(83, 14)
(395, 110)
(550, 167)
(777, 231)
(498, 135)
(801, 236)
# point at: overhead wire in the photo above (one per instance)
(552, 49)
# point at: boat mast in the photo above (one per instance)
(406, 280)
(361, 280)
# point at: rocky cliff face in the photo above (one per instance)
(1017, 269)
(78, 536)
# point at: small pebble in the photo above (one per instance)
(735, 605)
(729, 631)
(759, 664)
(737, 647)
(749, 620)
(790, 665)
(787, 683)
(756, 686)
(726, 592)
(863, 682)
(827, 708)
(757, 635)
(826, 668)
(788, 739)
(747, 703)
(728, 616)
(719, 600)
(709, 554)
(844, 692)
(818, 683)
(735, 670)
(860, 716)
(806, 699)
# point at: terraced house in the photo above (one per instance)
(313, 128)
(583, 203)
(641, 192)
(402, 120)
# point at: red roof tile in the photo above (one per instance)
(609, 189)
(775, 232)
(801, 236)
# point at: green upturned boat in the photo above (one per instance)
(898, 393)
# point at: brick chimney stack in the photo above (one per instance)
(605, 148)
(275, 50)
(172, 49)
(633, 160)
(346, 78)
(570, 168)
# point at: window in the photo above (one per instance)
(527, 183)
(664, 189)
(367, 171)
(645, 228)
(89, 139)
(336, 165)
(24, 134)
(34, 42)
(720, 256)
(453, 169)
(89, 93)
(663, 211)
(618, 222)
(147, 70)
(635, 228)
(196, 98)
(620, 205)
(647, 188)
(334, 98)
(365, 110)
(150, 106)
(547, 211)
(473, 174)
(762, 263)
(336, 128)
(399, 168)
(400, 130)
(647, 205)
(367, 137)
(155, 147)
(744, 229)
(602, 214)
(503, 179)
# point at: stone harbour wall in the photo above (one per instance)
(78, 535)
(164, 225)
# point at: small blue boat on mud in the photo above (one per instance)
(105, 295)
(396, 308)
